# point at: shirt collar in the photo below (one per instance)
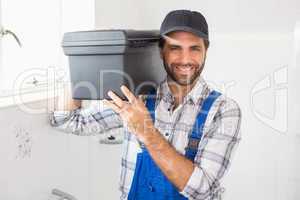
(193, 96)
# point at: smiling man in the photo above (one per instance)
(180, 138)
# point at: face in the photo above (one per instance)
(183, 55)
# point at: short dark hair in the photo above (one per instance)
(162, 41)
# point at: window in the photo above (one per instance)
(39, 25)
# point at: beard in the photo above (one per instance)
(183, 80)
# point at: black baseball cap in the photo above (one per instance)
(185, 20)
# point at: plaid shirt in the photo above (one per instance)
(221, 135)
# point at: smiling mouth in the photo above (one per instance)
(184, 69)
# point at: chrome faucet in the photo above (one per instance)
(63, 195)
(4, 32)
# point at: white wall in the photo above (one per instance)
(35, 159)
(223, 16)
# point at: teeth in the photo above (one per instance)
(184, 68)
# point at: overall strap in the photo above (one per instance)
(150, 103)
(197, 131)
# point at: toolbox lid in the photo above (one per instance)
(110, 38)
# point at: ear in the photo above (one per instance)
(205, 54)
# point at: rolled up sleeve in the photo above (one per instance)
(215, 153)
(86, 122)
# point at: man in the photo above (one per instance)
(179, 140)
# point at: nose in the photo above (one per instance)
(185, 57)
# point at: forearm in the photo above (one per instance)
(85, 118)
(88, 121)
(68, 121)
(175, 166)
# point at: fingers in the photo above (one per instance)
(117, 100)
(117, 104)
(112, 105)
(129, 95)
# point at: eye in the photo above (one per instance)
(174, 47)
(196, 48)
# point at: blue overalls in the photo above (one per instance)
(149, 183)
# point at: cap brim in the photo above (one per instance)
(185, 28)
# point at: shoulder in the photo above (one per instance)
(227, 104)
(224, 118)
(225, 110)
